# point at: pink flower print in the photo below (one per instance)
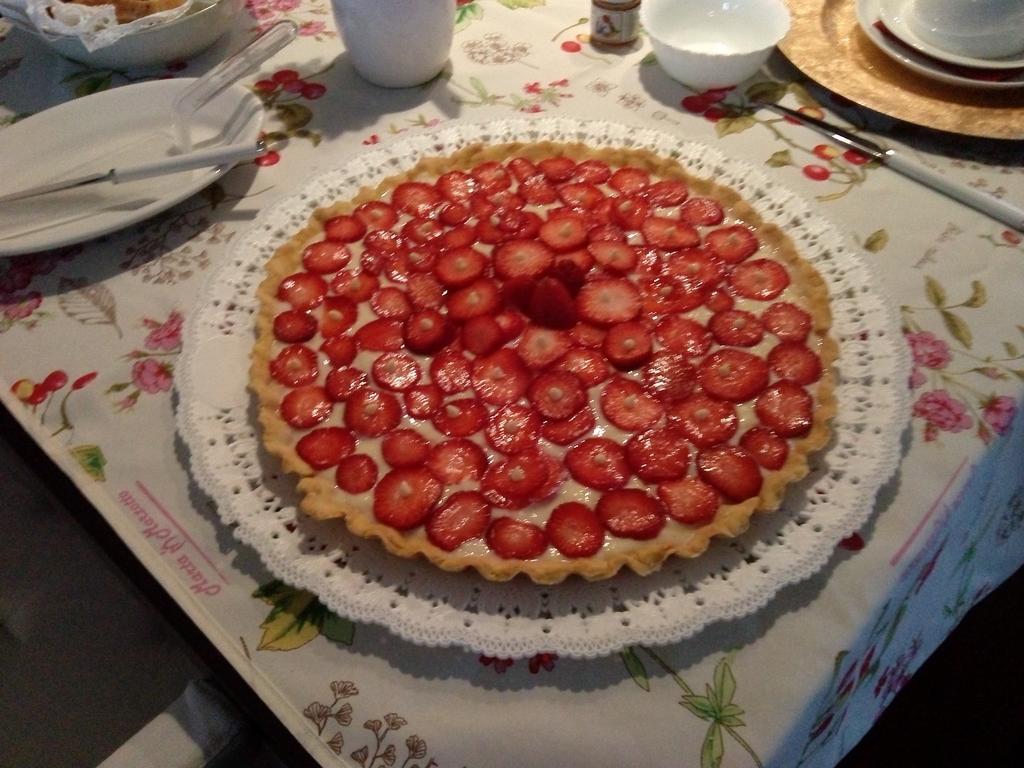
(532, 87)
(166, 336)
(563, 83)
(373, 138)
(285, 5)
(917, 378)
(928, 350)
(262, 13)
(20, 307)
(999, 413)
(500, 664)
(151, 375)
(311, 28)
(532, 109)
(942, 411)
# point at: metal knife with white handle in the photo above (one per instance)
(1000, 210)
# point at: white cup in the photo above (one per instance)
(396, 43)
(984, 29)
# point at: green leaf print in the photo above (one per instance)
(338, 629)
(464, 14)
(957, 328)
(802, 95)
(91, 459)
(296, 618)
(779, 159)
(876, 241)
(701, 706)
(766, 91)
(730, 125)
(978, 295)
(934, 291)
(725, 684)
(713, 748)
(93, 84)
(636, 669)
(513, 4)
(294, 116)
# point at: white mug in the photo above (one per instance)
(396, 43)
(985, 29)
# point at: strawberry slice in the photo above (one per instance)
(465, 515)
(404, 448)
(732, 244)
(491, 176)
(718, 300)
(482, 208)
(306, 407)
(616, 256)
(513, 429)
(342, 382)
(630, 513)
(481, 297)
(697, 267)
(585, 364)
(356, 473)
(500, 378)
(459, 267)
(592, 172)
(511, 323)
(422, 231)
(760, 279)
(794, 362)
(568, 431)
(293, 326)
(380, 336)
(630, 213)
(539, 347)
(526, 259)
(422, 402)
(568, 273)
(381, 243)
(557, 395)
(689, 500)
(581, 258)
(680, 334)
(372, 413)
(398, 268)
(669, 234)
(736, 327)
(565, 233)
(669, 296)
(376, 215)
(551, 304)
(731, 470)
(482, 335)
(768, 449)
(295, 366)
(786, 408)
(455, 214)
(391, 303)
(627, 405)
(456, 186)
(732, 374)
(325, 447)
(425, 292)
(325, 256)
(521, 168)
(537, 190)
(513, 539)
(357, 286)
(518, 224)
(666, 193)
(670, 377)
(303, 290)
(460, 418)
(416, 198)
(457, 461)
(456, 237)
(606, 233)
(339, 314)
(704, 420)
(787, 321)
(426, 332)
(557, 169)
(629, 181)
(606, 302)
(518, 292)
(587, 336)
(598, 462)
(580, 195)
(701, 212)
(404, 497)
(450, 370)
(396, 371)
(575, 530)
(628, 345)
(658, 454)
(344, 229)
(515, 478)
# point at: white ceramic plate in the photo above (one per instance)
(119, 127)
(893, 14)
(868, 13)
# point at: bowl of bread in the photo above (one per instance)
(126, 34)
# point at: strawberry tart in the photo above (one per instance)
(543, 359)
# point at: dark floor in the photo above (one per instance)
(965, 707)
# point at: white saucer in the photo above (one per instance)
(119, 127)
(893, 14)
(868, 15)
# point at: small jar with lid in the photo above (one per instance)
(614, 22)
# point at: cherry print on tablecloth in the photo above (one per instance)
(572, 263)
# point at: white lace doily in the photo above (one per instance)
(360, 580)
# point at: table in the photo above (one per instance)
(99, 326)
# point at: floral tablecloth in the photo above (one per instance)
(89, 337)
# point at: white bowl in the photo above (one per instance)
(175, 41)
(713, 43)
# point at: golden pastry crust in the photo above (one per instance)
(130, 10)
(321, 499)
